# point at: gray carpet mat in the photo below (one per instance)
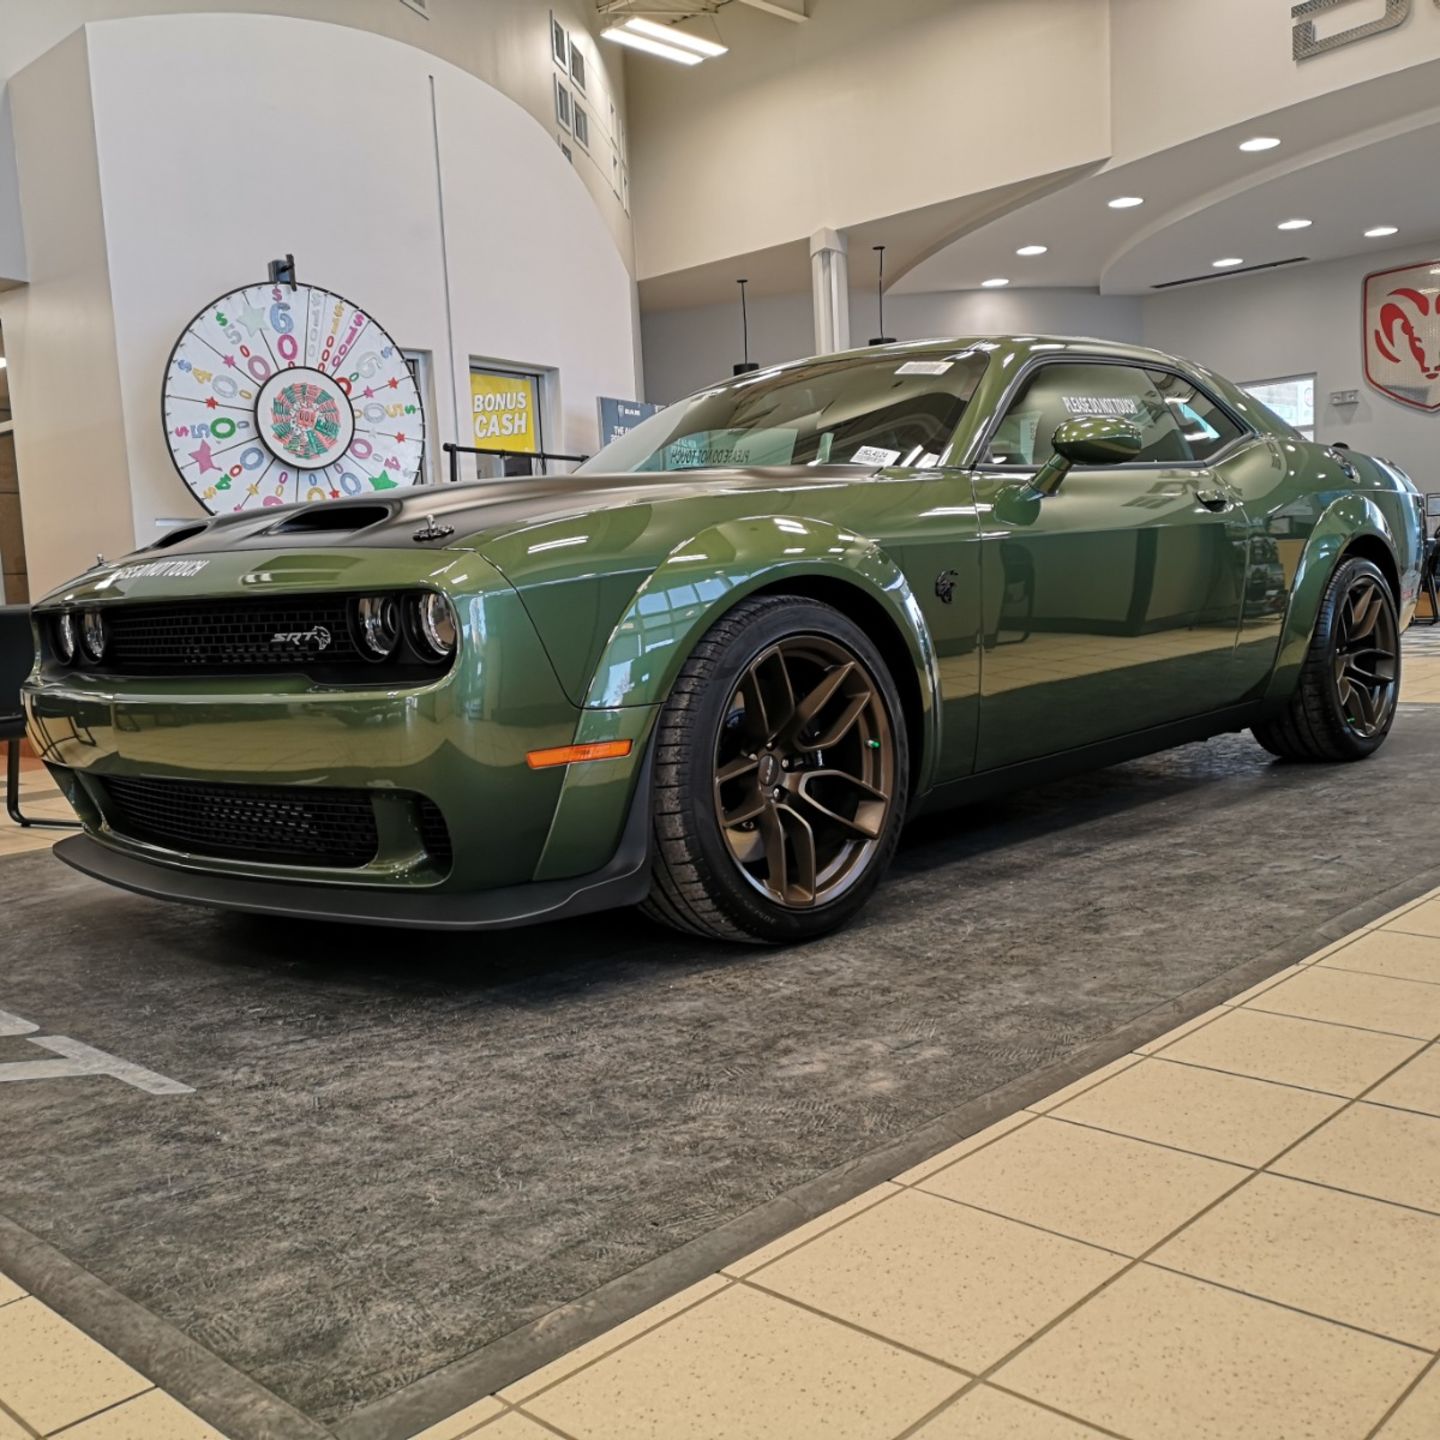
(401, 1149)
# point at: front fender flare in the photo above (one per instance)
(1339, 526)
(714, 570)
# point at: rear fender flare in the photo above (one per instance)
(714, 570)
(1339, 526)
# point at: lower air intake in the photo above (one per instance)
(280, 824)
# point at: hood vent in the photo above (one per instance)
(180, 533)
(330, 519)
(1231, 274)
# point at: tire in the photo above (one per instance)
(783, 723)
(1344, 700)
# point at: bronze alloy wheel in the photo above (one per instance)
(1367, 669)
(804, 771)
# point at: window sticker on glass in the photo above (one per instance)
(1101, 404)
(729, 447)
(874, 455)
(924, 367)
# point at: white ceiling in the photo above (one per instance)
(1349, 160)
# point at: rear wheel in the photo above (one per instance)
(781, 771)
(1344, 702)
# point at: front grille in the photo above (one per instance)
(435, 834)
(230, 635)
(281, 824)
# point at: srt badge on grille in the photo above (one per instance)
(317, 638)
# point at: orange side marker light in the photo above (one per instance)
(574, 754)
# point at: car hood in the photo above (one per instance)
(473, 514)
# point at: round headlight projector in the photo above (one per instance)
(94, 634)
(379, 617)
(436, 625)
(427, 621)
(65, 636)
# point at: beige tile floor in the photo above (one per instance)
(40, 799)
(1231, 1234)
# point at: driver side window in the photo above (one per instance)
(1059, 392)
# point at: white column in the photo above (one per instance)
(830, 284)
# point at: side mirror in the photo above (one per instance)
(1089, 440)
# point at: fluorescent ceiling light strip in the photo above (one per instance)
(669, 35)
(650, 47)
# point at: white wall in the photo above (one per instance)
(12, 236)
(868, 110)
(535, 276)
(506, 43)
(685, 350)
(1181, 70)
(1300, 322)
(70, 450)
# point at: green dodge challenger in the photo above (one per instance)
(716, 669)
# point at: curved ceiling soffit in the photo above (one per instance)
(1255, 180)
(1006, 200)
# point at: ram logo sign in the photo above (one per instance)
(1383, 15)
(1402, 334)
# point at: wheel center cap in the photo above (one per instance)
(769, 770)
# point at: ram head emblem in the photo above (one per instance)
(1402, 334)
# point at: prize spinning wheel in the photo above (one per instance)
(278, 393)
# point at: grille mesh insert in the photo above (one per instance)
(283, 824)
(226, 635)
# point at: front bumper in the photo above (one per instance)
(624, 880)
(458, 744)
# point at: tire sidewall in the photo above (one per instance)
(745, 906)
(1324, 651)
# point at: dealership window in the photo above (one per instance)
(559, 44)
(582, 126)
(562, 106)
(418, 362)
(1292, 399)
(1178, 422)
(506, 414)
(577, 66)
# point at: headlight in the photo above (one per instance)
(435, 624)
(65, 636)
(378, 618)
(94, 634)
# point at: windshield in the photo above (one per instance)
(856, 410)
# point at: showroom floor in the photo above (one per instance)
(1270, 1253)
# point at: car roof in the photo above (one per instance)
(1023, 345)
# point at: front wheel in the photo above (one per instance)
(781, 774)
(1344, 701)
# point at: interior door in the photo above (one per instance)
(1111, 606)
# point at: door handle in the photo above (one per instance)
(1213, 500)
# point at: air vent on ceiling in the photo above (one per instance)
(330, 519)
(1230, 274)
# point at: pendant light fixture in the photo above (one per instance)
(882, 338)
(747, 364)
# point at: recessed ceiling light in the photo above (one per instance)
(1229, 263)
(1126, 202)
(1381, 231)
(651, 47)
(669, 35)
(1258, 143)
(1294, 224)
(998, 283)
(1028, 250)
